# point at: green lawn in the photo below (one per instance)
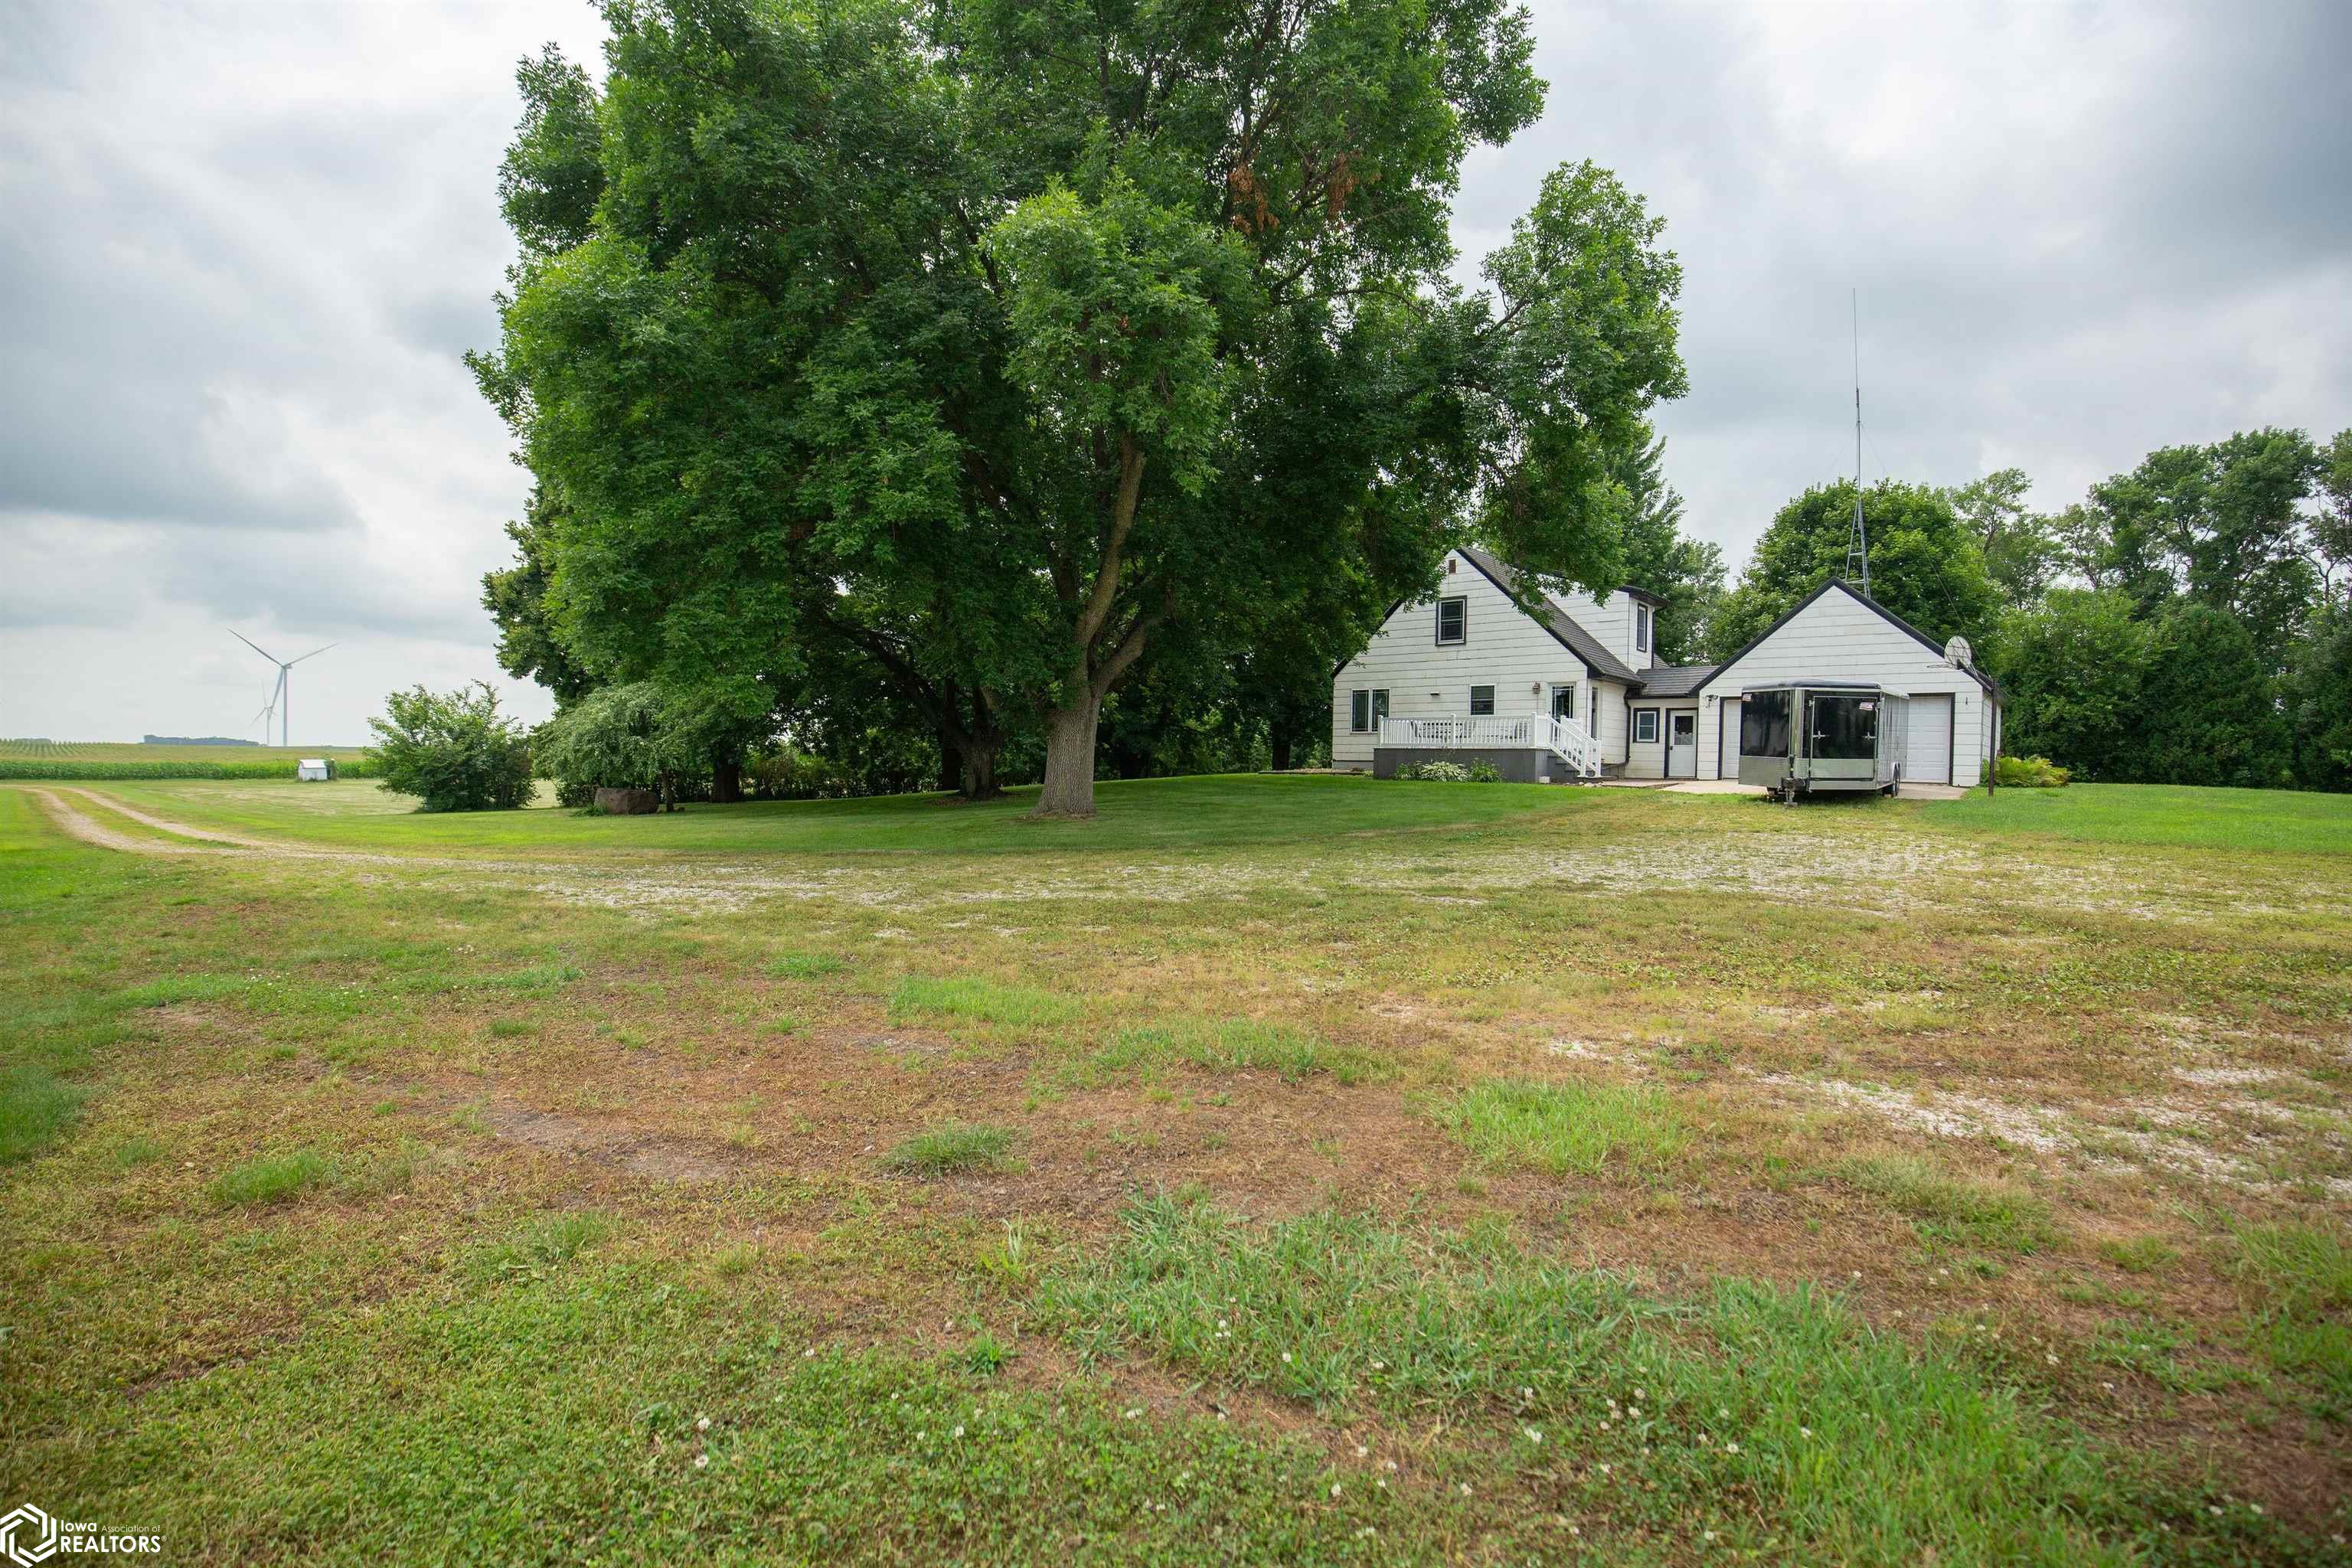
(2280, 821)
(1278, 1169)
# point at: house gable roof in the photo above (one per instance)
(1564, 630)
(1858, 597)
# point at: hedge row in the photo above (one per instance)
(71, 768)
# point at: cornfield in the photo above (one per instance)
(41, 758)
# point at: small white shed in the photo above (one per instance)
(315, 769)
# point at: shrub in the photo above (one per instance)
(1436, 773)
(2029, 772)
(451, 750)
(1486, 773)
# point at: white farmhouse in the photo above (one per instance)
(1569, 688)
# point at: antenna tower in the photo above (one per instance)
(1857, 544)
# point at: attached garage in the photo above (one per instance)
(1840, 636)
(1928, 758)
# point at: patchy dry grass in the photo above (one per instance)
(1981, 1176)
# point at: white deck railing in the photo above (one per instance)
(1563, 738)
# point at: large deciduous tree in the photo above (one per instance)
(2220, 526)
(2022, 549)
(1019, 333)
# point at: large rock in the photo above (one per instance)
(627, 802)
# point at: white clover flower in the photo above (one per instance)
(1362, 1452)
(1135, 1412)
(1285, 1358)
(1335, 1489)
(1710, 1534)
(1731, 1448)
(1535, 1434)
(702, 1424)
(1804, 1431)
(1379, 1366)
(1466, 1492)
(702, 1459)
(957, 1433)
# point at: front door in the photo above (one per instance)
(1682, 744)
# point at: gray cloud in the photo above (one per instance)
(2077, 233)
(242, 249)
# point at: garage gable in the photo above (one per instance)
(1837, 634)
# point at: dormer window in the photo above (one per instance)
(1453, 621)
(1641, 627)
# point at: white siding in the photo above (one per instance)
(1611, 622)
(1648, 760)
(1609, 710)
(1838, 637)
(1505, 649)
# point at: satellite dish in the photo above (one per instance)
(1958, 652)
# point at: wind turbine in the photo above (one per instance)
(269, 709)
(284, 695)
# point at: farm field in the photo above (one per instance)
(1276, 1169)
(33, 759)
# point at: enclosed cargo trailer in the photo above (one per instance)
(1803, 737)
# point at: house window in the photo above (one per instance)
(1482, 699)
(1453, 621)
(1646, 725)
(1563, 701)
(1359, 711)
(1379, 705)
(1642, 628)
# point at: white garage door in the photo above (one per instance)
(1928, 757)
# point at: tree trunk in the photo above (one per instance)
(954, 765)
(1278, 746)
(978, 761)
(1070, 760)
(726, 780)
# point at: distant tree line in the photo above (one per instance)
(2185, 623)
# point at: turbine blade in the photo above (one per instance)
(313, 653)
(253, 645)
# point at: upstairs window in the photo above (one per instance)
(1641, 628)
(1453, 621)
(1482, 699)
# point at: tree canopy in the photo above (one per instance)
(1016, 336)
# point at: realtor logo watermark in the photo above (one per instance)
(29, 1536)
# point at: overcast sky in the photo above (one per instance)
(242, 247)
